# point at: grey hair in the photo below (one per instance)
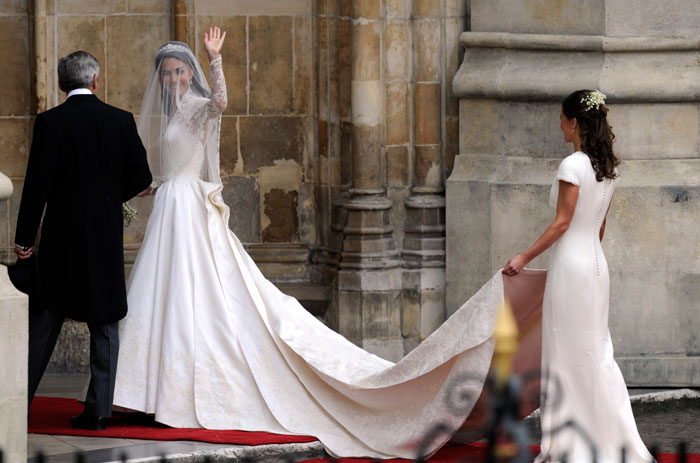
(76, 70)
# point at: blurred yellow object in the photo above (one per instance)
(506, 335)
(505, 451)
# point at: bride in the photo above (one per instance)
(209, 342)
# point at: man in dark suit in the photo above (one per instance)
(86, 159)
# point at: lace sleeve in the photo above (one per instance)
(218, 101)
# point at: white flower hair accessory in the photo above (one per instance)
(595, 98)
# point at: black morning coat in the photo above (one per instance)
(86, 159)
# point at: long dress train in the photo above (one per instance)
(209, 342)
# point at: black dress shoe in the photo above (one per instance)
(87, 421)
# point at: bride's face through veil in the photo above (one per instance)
(175, 77)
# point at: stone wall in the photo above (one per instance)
(392, 135)
(15, 109)
(13, 355)
(522, 59)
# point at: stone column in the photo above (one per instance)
(519, 64)
(369, 280)
(330, 34)
(13, 352)
(40, 58)
(343, 137)
(179, 20)
(427, 77)
(424, 241)
(366, 95)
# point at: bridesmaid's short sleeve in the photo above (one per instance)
(572, 168)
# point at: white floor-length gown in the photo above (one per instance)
(585, 384)
(209, 342)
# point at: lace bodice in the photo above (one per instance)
(182, 143)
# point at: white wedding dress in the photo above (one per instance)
(585, 384)
(209, 342)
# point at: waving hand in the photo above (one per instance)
(213, 41)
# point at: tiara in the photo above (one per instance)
(173, 47)
(595, 98)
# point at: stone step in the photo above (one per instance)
(55, 448)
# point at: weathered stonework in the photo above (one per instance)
(98, 6)
(13, 388)
(259, 149)
(84, 33)
(397, 166)
(13, 355)
(451, 143)
(150, 6)
(14, 147)
(423, 237)
(233, 59)
(552, 17)
(6, 236)
(228, 145)
(14, 86)
(13, 7)
(72, 353)
(13, 206)
(653, 94)
(271, 56)
(427, 114)
(303, 65)
(243, 197)
(129, 63)
(398, 103)
(253, 7)
(281, 208)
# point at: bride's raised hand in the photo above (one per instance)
(213, 41)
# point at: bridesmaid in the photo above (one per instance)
(581, 381)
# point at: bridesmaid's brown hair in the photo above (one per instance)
(596, 134)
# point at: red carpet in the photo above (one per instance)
(52, 415)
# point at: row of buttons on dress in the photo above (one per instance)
(596, 229)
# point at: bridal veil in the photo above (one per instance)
(160, 103)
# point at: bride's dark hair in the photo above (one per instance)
(596, 134)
